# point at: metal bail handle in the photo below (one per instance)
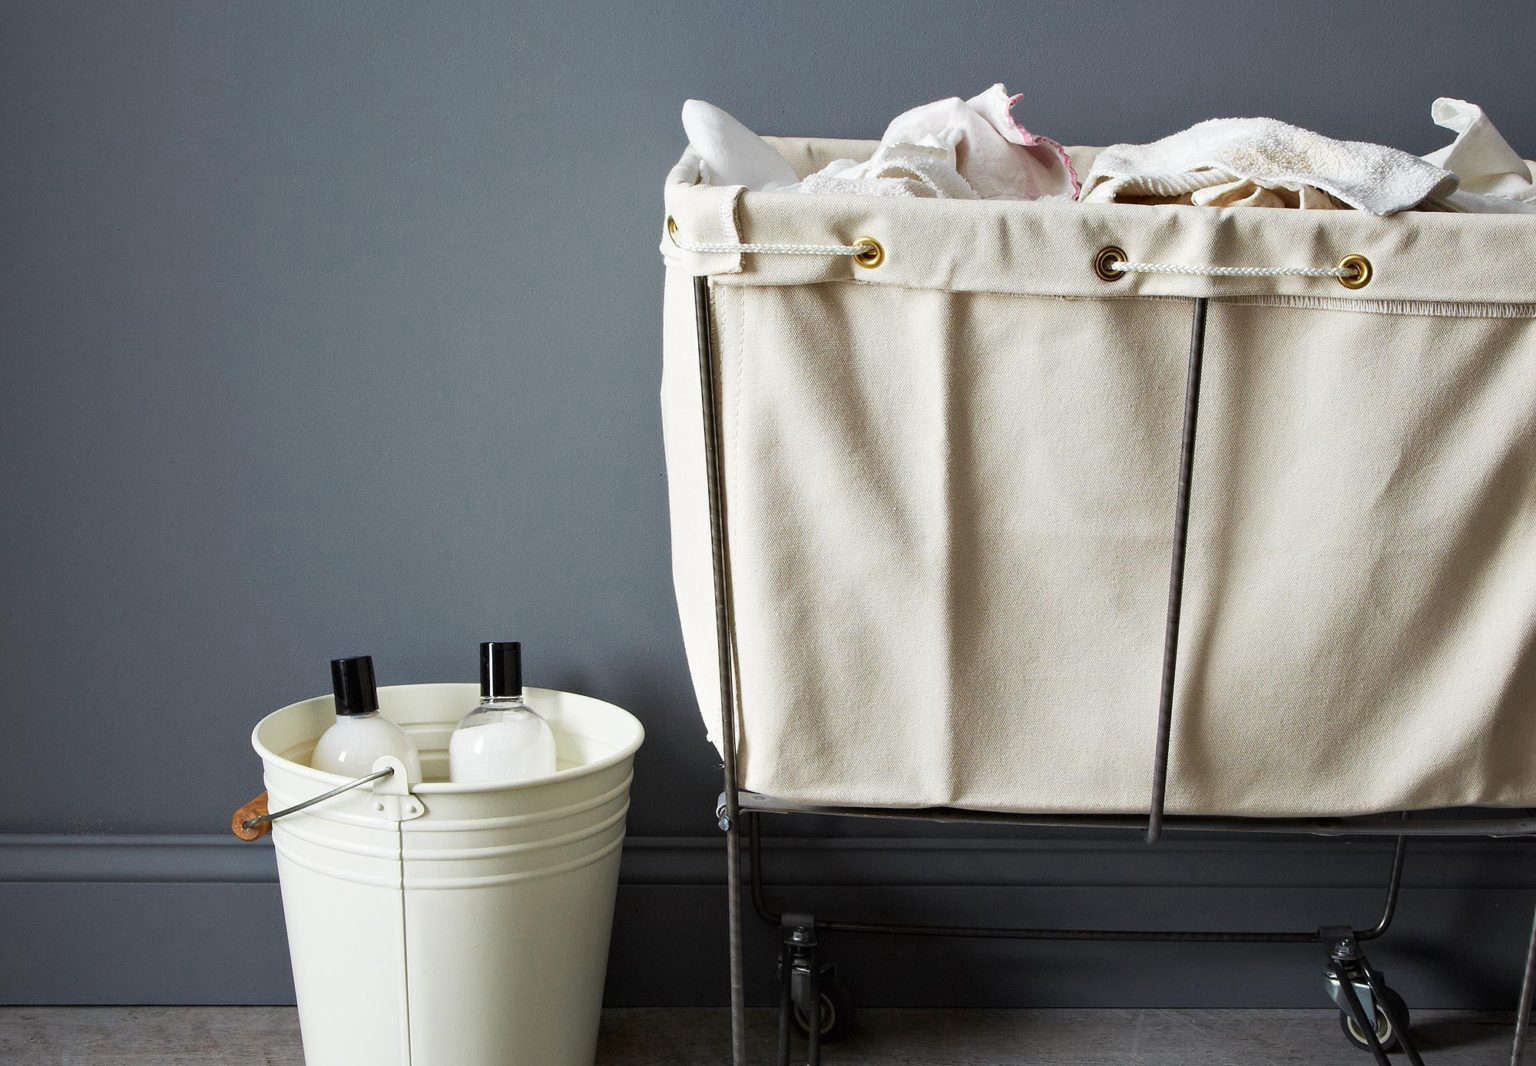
(257, 820)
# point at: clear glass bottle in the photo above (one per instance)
(360, 734)
(503, 740)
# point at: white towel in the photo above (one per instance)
(927, 169)
(731, 154)
(1264, 162)
(1493, 176)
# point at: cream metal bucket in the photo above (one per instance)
(451, 925)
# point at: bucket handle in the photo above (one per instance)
(253, 821)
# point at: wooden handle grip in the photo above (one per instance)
(254, 809)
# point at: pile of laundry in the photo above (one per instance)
(974, 150)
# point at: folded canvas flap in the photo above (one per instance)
(1048, 247)
(706, 214)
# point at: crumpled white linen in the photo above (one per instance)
(1264, 162)
(926, 168)
(1494, 179)
(973, 149)
(953, 148)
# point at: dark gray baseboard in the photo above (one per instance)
(175, 920)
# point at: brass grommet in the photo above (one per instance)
(871, 253)
(672, 228)
(1359, 271)
(1104, 263)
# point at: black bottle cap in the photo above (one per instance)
(501, 669)
(353, 685)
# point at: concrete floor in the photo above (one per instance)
(269, 1036)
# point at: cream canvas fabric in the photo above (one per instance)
(950, 485)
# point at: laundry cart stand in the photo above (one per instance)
(1116, 516)
(440, 924)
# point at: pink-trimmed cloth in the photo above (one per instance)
(994, 156)
(1050, 171)
(958, 149)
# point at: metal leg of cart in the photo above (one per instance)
(1396, 1014)
(809, 997)
(786, 1002)
(812, 1001)
(1527, 988)
(730, 817)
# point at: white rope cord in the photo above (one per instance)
(1353, 271)
(864, 249)
(1233, 272)
(770, 249)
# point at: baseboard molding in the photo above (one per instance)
(1041, 858)
(197, 919)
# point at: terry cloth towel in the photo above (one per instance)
(1494, 179)
(928, 168)
(1267, 163)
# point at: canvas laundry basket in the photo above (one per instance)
(443, 924)
(948, 502)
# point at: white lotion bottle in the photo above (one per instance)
(360, 734)
(503, 740)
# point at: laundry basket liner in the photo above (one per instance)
(949, 491)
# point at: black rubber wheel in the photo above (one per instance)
(1387, 1023)
(836, 1012)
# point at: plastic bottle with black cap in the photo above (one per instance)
(360, 733)
(502, 741)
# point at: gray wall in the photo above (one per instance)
(333, 328)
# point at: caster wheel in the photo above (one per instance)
(1387, 1022)
(836, 1012)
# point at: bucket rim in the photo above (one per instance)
(624, 752)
